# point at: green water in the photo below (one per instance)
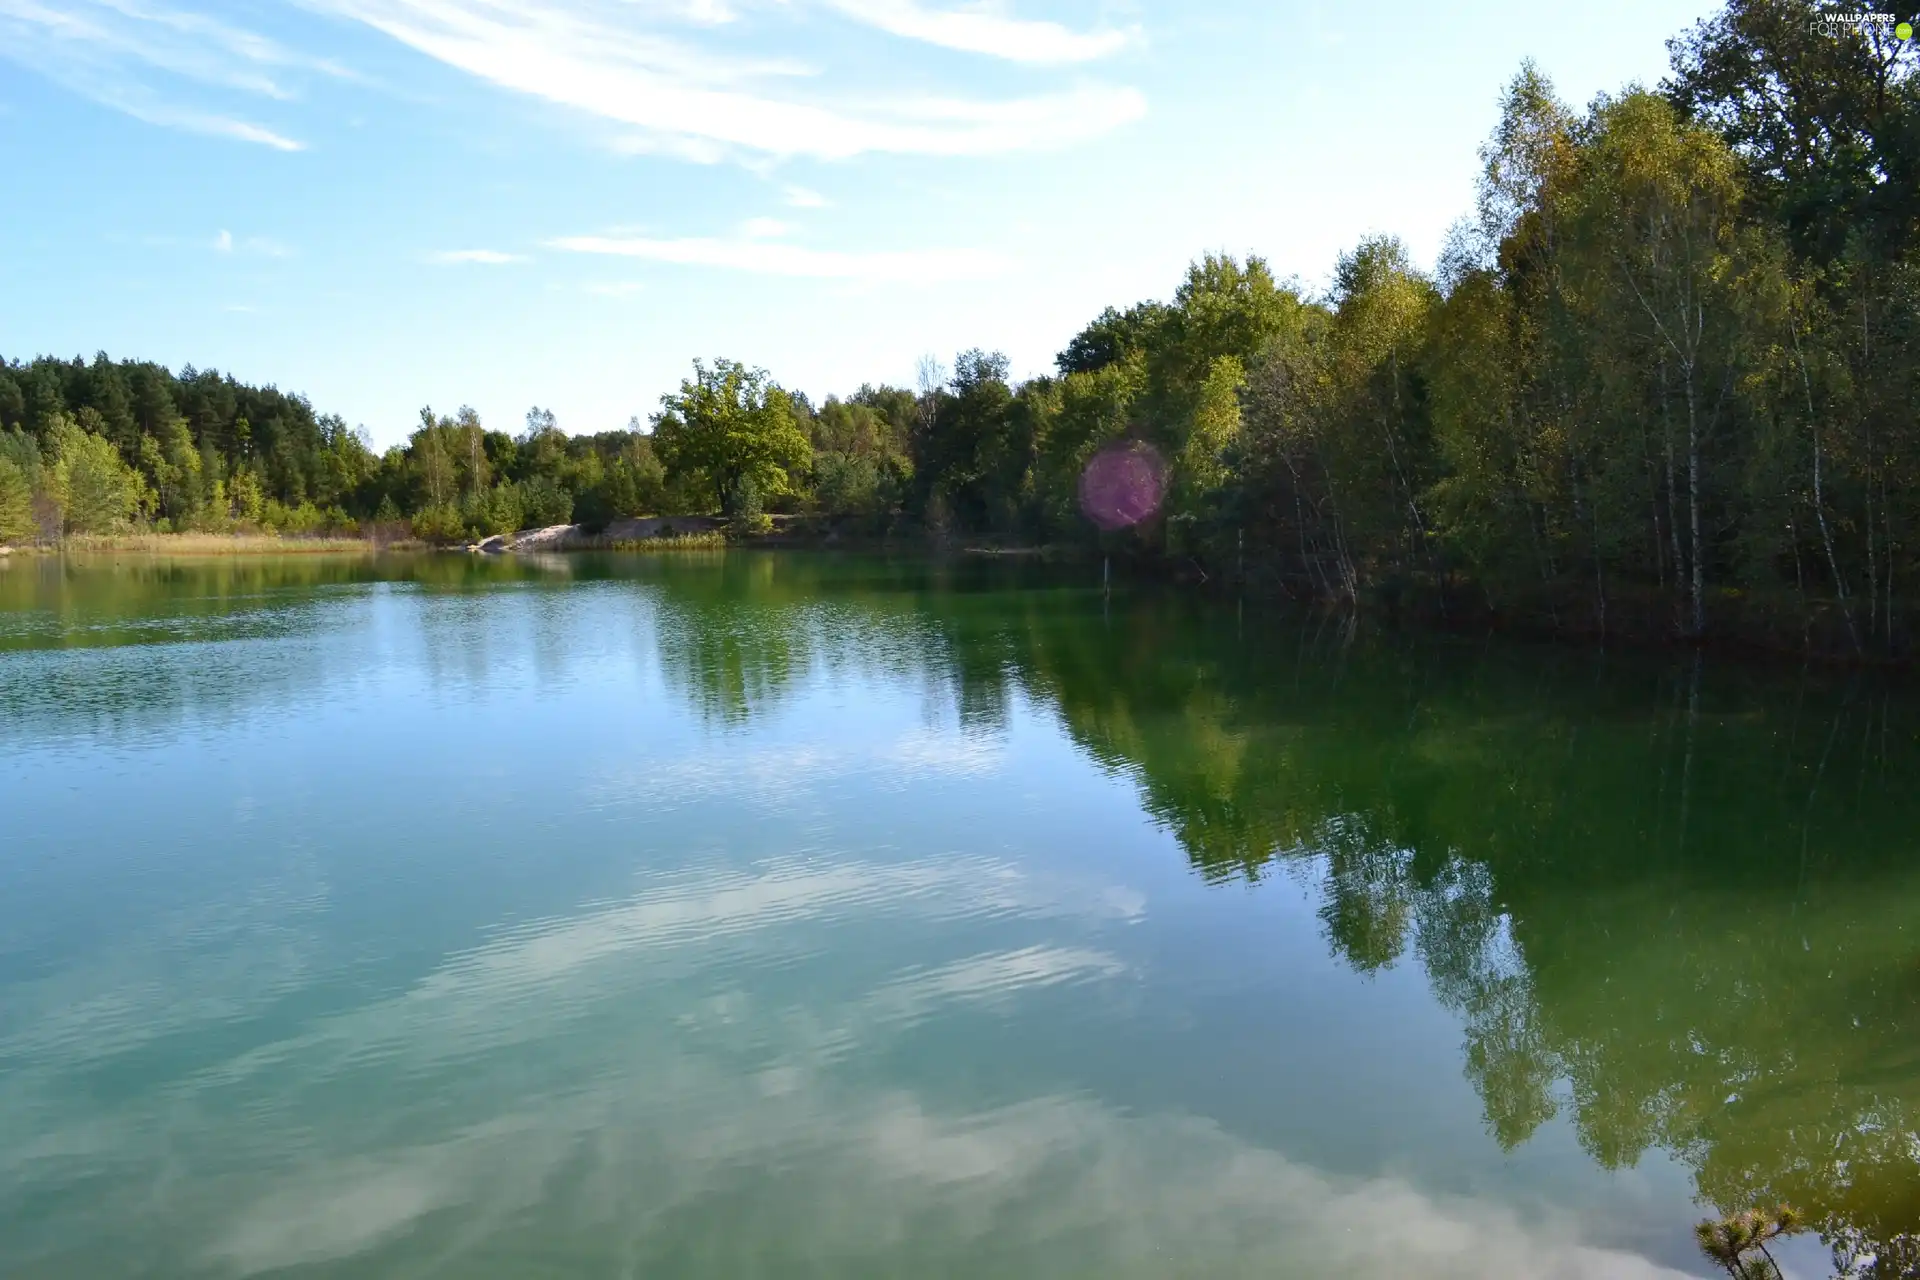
(782, 915)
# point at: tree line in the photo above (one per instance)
(1663, 377)
(101, 446)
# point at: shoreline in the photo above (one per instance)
(208, 544)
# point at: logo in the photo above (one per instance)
(1863, 21)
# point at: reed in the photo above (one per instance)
(221, 544)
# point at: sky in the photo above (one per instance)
(386, 204)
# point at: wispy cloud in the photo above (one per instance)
(692, 150)
(803, 198)
(981, 30)
(483, 257)
(615, 288)
(613, 62)
(260, 246)
(651, 67)
(237, 129)
(149, 61)
(764, 228)
(765, 257)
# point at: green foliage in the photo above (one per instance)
(25, 505)
(632, 484)
(748, 519)
(1734, 1241)
(187, 437)
(498, 509)
(1824, 122)
(443, 523)
(862, 464)
(305, 520)
(1113, 337)
(975, 453)
(543, 502)
(1074, 417)
(733, 428)
(246, 497)
(16, 503)
(95, 491)
(847, 484)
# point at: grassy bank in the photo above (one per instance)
(707, 541)
(211, 544)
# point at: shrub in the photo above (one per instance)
(441, 523)
(747, 518)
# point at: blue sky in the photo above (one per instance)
(503, 203)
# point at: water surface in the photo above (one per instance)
(784, 915)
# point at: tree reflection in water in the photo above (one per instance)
(1675, 900)
(1671, 898)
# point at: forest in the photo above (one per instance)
(1662, 380)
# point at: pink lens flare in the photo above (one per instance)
(1123, 484)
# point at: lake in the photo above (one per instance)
(775, 914)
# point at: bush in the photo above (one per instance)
(598, 507)
(747, 518)
(302, 521)
(441, 523)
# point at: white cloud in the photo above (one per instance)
(258, 246)
(120, 52)
(137, 101)
(765, 258)
(605, 60)
(692, 150)
(803, 198)
(980, 30)
(764, 228)
(238, 129)
(483, 257)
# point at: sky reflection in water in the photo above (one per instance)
(762, 916)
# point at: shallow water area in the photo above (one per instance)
(785, 914)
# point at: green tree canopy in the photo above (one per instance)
(96, 490)
(730, 426)
(16, 503)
